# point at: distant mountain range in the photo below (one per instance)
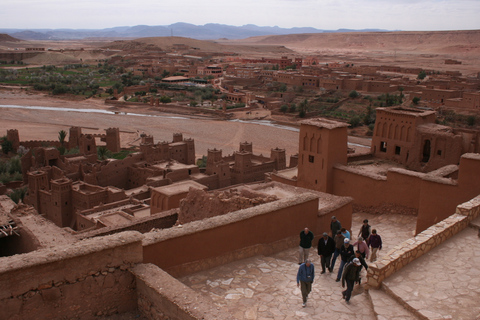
(209, 31)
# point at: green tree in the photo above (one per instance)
(415, 100)
(103, 153)
(202, 162)
(165, 99)
(292, 108)
(7, 145)
(421, 75)
(471, 120)
(353, 94)
(355, 121)
(284, 108)
(61, 137)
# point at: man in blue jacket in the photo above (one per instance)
(305, 276)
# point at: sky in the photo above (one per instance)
(408, 15)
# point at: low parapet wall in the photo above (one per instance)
(83, 280)
(411, 249)
(264, 229)
(160, 296)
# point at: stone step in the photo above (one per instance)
(386, 307)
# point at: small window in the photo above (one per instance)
(439, 152)
(397, 150)
(383, 146)
(311, 159)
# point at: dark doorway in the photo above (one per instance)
(426, 151)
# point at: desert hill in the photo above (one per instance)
(441, 42)
(202, 45)
(6, 38)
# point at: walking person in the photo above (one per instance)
(362, 246)
(306, 238)
(358, 255)
(375, 242)
(305, 276)
(335, 225)
(346, 252)
(346, 233)
(338, 245)
(351, 274)
(365, 230)
(326, 247)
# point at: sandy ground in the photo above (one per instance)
(208, 133)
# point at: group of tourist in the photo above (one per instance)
(352, 256)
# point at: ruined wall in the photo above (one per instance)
(411, 249)
(26, 242)
(162, 297)
(137, 177)
(115, 173)
(200, 204)
(203, 243)
(83, 280)
(162, 220)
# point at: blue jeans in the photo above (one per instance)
(340, 270)
(335, 255)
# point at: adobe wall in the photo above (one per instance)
(411, 249)
(163, 220)
(215, 241)
(82, 280)
(115, 173)
(400, 186)
(342, 211)
(162, 297)
(440, 196)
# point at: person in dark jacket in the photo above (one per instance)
(365, 231)
(326, 247)
(346, 252)
(305, 276)
(338, 246)
(351, 274)
(335, 225)
(359, 256)
(306, 238)
(375, 242)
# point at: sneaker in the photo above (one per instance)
(322, 272)
(330, 269)
(343, 295)
(338, 280)
(347, 301)
(304, 304)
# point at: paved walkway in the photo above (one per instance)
(444, 283)
(265, 287)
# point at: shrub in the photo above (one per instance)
(353, 94)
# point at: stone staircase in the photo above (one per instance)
(388, 307)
